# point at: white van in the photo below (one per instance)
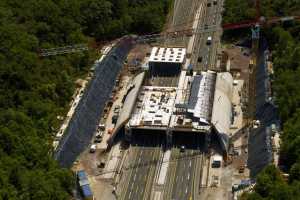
(209, 39)
(93, 148)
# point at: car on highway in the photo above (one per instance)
(209, 39)
(215, 2)
(182, 148)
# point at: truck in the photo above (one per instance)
(217, 161)
(209, 39)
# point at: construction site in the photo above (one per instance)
(182, 117)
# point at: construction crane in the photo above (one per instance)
(173, 34)
(63, 50)
(258, 22)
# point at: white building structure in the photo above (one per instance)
(166, 61)
(201, 103)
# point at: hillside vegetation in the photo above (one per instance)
(284, 41)
(34, 91)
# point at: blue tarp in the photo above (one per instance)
(86, 191)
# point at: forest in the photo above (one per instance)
(284, 43)
(35, 90)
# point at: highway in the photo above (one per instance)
(144, 159)
(184, 175)
(183, 16)
(204, 55)
(185, 168)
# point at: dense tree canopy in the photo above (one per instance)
(34, 91)
(284, 41)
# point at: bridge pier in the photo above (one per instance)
(169, 135)
(207, 141)
(128, 134)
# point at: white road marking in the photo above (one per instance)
(190, 163)
(129, 194)
(186, 190)
(188, 176)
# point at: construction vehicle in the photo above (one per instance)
(217, 161)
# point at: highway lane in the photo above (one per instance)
(183, 16)
(141, 175)
(184, 178)
(204, 57)
(185, 167)
(142, 168)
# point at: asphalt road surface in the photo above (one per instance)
(183, 172)
(184, 13)
(144, 160)
(204, 54)
(184, 166)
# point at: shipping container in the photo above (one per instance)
(83, 183)
(81, 175)
(86, 192)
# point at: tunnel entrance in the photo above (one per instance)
(191, 140)
(148, 138)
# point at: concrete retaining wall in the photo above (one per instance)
(88, 112)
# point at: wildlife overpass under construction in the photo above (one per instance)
(200, 103)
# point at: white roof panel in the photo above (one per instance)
(221, 115)
(169, 55)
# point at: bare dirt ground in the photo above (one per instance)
(239, 60)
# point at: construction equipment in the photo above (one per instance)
(63, 50)
(255, 24)
(261, 21)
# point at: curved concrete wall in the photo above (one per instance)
(222, 111)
